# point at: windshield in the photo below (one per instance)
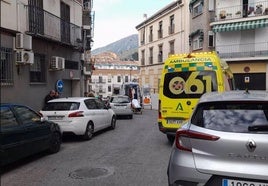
(189, 84)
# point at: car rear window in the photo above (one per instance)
(231, 116)
(61, 106)
(119, 100)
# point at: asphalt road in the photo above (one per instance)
(134, 154)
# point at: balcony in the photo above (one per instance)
(259, 50)
(44, 24)
(242, 11)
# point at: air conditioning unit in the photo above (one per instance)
(23, 41)
(25, 57)
(57, 63)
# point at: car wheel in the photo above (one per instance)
(113, 122)
(170, 138)
(89, 132)
(55, 142)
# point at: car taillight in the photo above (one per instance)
(182, 133)
(76, 114)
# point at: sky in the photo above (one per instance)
(116, 19)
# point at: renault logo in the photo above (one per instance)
(251, 145)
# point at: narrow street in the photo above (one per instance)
(136, 153)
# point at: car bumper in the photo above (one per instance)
(168, 131)
(77, 127)
(182, 171)
(120, 112)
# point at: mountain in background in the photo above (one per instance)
(126, 48)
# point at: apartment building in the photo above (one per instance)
(110, 73)
(165, 32)
(201, 37)
(41, 47)
(241, 38)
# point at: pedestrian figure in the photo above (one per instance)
(57, 94)
(50, 96)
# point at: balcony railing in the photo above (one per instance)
(43, 23)
(243, 50)
(242, 11)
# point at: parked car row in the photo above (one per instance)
(223, 143)
(25, 132)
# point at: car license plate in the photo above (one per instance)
(229, 182)
(55, 117)
(174, 121)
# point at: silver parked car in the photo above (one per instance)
(121, 105)
(79, 115)
(224, 143)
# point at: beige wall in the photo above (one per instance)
(150, 73)
(255, 67)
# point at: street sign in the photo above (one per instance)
(59, 86)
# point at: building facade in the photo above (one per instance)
(41, 47)
(241, 38)
(166, 32)
(201, 37)
(110, 73)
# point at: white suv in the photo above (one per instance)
(79, 115)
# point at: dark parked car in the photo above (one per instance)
(23, 132)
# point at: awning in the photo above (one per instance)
(245, 25)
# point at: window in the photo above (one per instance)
(100, 104)
(210, 39)
(197, 9)
(91, 104)
(142, 57)
(160, 53)
(126, 78)
(36, 16)
(171, 24)
(151, 56)
(197, 43)
(7, 117)
(160, 29)
(118, 79)
(61, 106)
(26, 115)
(6, 66)
(37, 70)
(231, 116)
(151, 34)
(142, 36)
(171, 47)
(65, 22)
(109, 88)
(100, 79)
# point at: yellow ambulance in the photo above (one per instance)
(185, 77)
